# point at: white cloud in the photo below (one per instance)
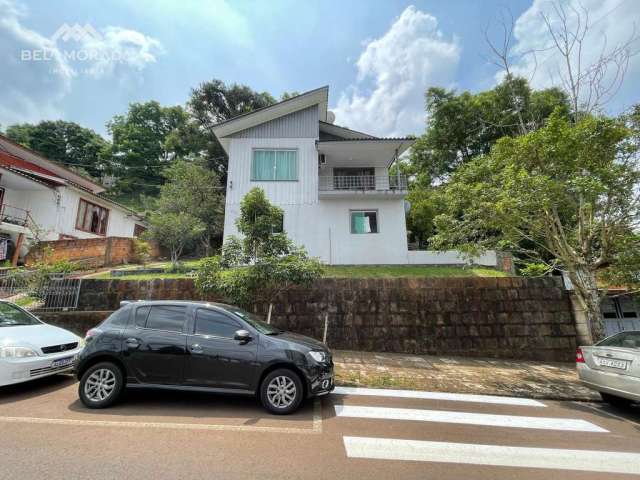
(38, 72)
(612, 23)
(393, 73)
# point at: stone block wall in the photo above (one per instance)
(510, 317)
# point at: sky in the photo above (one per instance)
(85, 61)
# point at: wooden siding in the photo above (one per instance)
(300, 124)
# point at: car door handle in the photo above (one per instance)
(132, 342)
(195, 348)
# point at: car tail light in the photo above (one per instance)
(579, 356)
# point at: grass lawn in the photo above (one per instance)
(360, 271)
(396, 271)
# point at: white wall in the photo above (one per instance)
(321, 226)
(55, 212)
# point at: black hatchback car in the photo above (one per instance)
(200, 347)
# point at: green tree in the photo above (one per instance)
(174, 231)
(261, 266)
(76, 147)
(462, 126)
(143, 142)
(193, 189)
(213, 102)
(567, 190)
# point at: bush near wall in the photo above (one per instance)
(511, 317)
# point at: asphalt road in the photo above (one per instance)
(47, 433)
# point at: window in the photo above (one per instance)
(141, 316)
(274, 165)
(11, 316)
(216, 324)
(92, 218)
(364, 221)
(166, 317)
(119, 318)
(624, 339)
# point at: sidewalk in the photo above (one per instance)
(482, 376)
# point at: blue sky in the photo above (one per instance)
(377, 56)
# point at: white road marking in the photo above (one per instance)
(494, 455)
(455, 397)
(315, 429)
(443, 416)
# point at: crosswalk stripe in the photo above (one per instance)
(494, 455)
(443, 416)
(455, 397)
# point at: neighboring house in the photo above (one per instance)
(40, 199)
(333, 183)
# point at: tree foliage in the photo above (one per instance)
(174, 231)
(140, 148)
(192, 189)
(76, 147)
(213, 102)
(463, 126)
(263, 264)
(569, 190)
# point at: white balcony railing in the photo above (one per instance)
(362, 182)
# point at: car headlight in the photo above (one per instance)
(320, 357)
(17, 352)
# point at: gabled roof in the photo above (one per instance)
(30, 170)
(342, 132)
(319, 96)
(20, 151)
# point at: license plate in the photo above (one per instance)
(611, 363)
(61, 362)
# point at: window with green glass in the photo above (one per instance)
(274, 165)
(364, 221)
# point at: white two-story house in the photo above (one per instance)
(42, 200)
(333, 183)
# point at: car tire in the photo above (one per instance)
(615, 400)
(101, 385)
(281, 391)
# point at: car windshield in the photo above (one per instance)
(12, 316)
(254, 321)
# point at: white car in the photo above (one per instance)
(612, 367)
(31, 349)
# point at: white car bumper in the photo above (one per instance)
(17, 370)
(624, 386)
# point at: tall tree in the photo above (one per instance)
(569, 190)
(462, 126)
(193, 189)
(143, 143)
(74, 146)
(214, 102)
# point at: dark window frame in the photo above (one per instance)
(361, 210)
(103, 226)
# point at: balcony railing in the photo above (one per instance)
(363, 183)
(15, 215)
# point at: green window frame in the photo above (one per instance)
(274, 165)
(364, 221)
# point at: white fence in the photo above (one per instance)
(450, 257)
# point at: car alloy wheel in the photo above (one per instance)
(100, 385)
(281, 392)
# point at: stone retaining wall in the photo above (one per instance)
(490, 317)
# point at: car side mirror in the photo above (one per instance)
(242, 336)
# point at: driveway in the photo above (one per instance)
(354, 433)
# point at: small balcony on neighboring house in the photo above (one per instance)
(357, 168)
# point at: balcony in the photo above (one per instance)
(342, 186)
(15, 216)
